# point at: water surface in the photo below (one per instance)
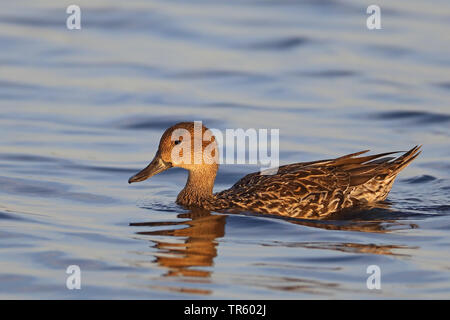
(81, 111)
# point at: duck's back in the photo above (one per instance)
(317, 189)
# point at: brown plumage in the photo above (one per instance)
(312, 190)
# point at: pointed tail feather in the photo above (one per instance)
(403, 161)
(365, 168)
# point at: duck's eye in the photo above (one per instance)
(177, 141)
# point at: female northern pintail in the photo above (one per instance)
(312, 190)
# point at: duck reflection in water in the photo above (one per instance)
(198, 247)
(199, 237)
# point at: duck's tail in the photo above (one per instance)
(403, 161)
(363, 169)
(373, 176)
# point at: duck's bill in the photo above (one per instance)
(156, 166)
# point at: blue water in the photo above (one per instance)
(81, 111)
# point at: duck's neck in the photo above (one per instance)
(199, 186)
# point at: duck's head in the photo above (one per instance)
(188, 145)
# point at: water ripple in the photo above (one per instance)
(49, 190)
(420, 179)
(156, 123)
(422, 117)
(280, 44)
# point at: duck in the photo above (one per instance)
(309, 190)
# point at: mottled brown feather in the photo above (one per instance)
(316, 189)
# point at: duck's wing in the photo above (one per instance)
(363, 169)
(316, 188)
(295, 193)
(359, 168)
(304, 170)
